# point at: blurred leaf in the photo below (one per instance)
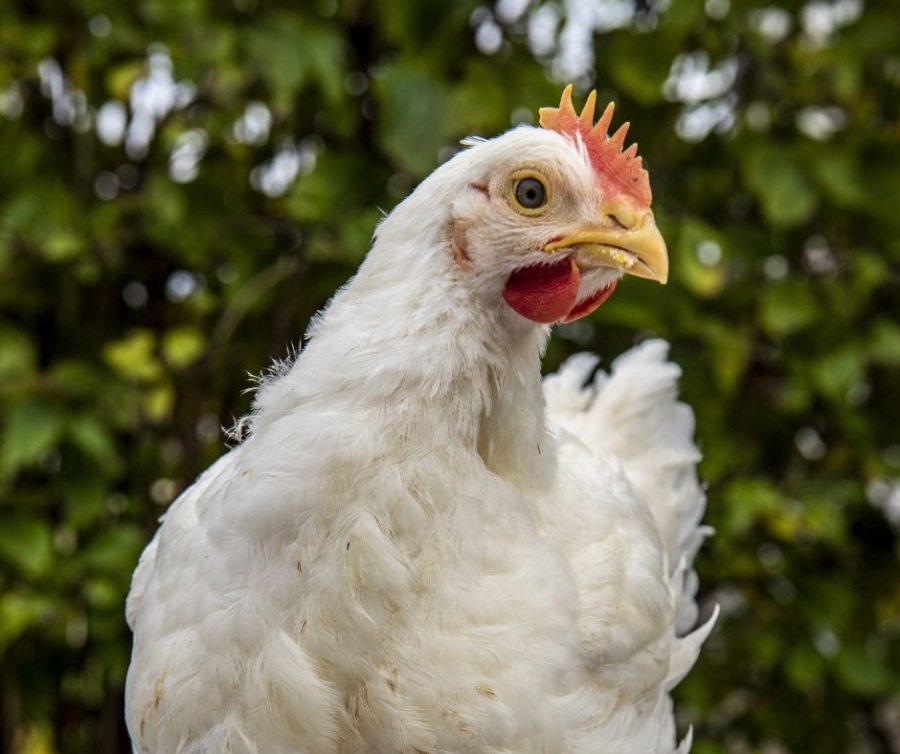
(86, 495)
(164, 209)
(840, 369)
(704, 278)
(104, 594)
(158, 403)
(749, 500)
(863, 674)
(182, 346)
(95, 440)
(113, 550)
(33, 739)
(840, 177)
(884, 344)
(134, 357)
(32, 428)
(19, 610)
(63, 246)
(805, 667)
(639, 68)
(336, 187)
(785, 193)
(415, 118)
(294, 51)
(17, 355)
(788, 307)
(731, 354)
(27, 543)
(120, 78)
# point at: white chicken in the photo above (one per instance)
(421, 547)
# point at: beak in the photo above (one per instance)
(633, 245)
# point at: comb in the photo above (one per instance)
(620, 172)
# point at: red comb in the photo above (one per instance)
(619, 172)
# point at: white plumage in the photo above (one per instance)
(410, 552)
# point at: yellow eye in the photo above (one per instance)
(529, 193)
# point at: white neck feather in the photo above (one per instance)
(406, 335)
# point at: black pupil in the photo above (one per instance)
(530, 193)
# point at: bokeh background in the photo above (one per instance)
(183, 183)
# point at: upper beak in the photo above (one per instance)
(634, 245)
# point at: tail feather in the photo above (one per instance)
(686, 742)
(687, 649)
(633, 413)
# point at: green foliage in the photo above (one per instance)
(136, 291)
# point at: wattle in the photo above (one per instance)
(591, 303)
(543, 293)
(547, 293)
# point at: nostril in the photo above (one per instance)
(616, 222)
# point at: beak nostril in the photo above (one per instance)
(619, 217)
(617, 221)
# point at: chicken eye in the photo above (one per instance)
(530, 193)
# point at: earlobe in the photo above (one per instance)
(458, 246)
(465, 204)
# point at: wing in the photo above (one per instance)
(184, 507)
(633, 414)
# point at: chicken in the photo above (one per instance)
(422, 547)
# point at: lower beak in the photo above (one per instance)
(638, 250)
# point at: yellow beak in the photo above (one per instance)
(633, 244)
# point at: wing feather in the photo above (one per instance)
(633, 413)
(185, 507)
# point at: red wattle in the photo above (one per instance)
(589, 304)
(543, 293)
